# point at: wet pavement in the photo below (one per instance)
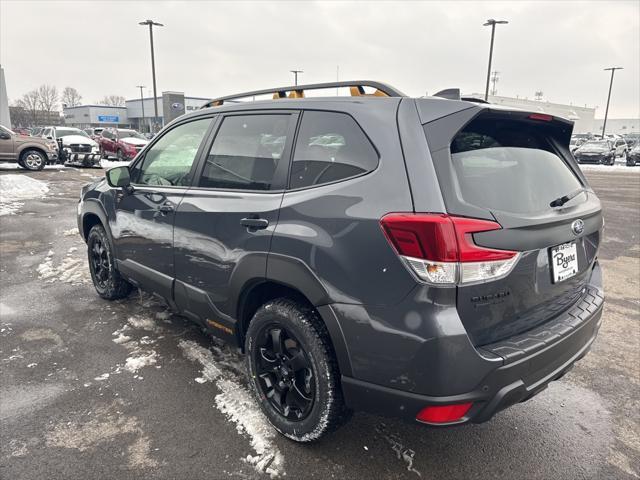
(97, 389)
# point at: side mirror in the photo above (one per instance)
(118, 177)
(49, 137)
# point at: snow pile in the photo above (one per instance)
(72, 232)
(15, 188)
(238, 404)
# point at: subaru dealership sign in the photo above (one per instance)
(108, 118)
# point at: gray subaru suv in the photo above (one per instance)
(433, 259)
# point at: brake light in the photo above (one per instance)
(443, 413)
(541, 116)
(439, 248)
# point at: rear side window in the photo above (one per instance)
(330, 147)
(246, 152)
(509, 166)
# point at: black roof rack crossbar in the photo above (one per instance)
(297, 91)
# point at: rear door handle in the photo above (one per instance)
(254, 223)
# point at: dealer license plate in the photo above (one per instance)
(564, 261)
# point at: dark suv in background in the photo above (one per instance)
(433, 259)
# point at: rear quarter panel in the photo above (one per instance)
(334, 229)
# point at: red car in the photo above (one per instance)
(120, 142)
(25, 132)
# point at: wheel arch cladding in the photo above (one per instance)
(257, 293)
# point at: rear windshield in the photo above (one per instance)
(509, 166)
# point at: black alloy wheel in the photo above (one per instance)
(286, 376)
(106, 279)
(293, 370)
(99, 262)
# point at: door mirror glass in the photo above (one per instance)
(118, 177)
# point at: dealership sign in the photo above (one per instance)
(109, 118)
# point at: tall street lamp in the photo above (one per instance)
(295, 75)
(151, 24)
(493, 24)
(606, 111)
(142, 105)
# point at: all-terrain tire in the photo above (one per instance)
(328, 410)
(106, 279)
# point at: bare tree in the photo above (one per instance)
(113, 101)
(30, 102)
(48, 96)
(71, 97)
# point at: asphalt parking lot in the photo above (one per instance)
(93, 389)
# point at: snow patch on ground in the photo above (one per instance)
(16, 188)
(238, 404)
(609, 168)
(72, 232)
(14, 166)
(139, 360)
(112, 163)
(72, 269)
(107, 424)
(143, 323)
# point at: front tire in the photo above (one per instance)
(33, 160)
(293, 371)
(106, 278)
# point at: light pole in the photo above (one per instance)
(142, 105)
(606, 111)
(295, 75)
(493, 24)
(151, 24)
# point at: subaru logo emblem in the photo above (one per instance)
(577, 227)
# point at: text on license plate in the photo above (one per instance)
(564, 261)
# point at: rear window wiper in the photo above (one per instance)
(560, 201)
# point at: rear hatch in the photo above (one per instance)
(514, 168)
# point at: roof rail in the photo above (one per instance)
(356, 88)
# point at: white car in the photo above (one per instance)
(74, 145)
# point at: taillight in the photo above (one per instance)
(439, 248)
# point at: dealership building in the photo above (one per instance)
(137, 113)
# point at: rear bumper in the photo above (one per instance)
(530, 362)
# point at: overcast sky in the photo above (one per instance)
(211, 48)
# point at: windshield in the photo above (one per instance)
(508, 166)
(65, 132)
(129, 134)
(601, 144)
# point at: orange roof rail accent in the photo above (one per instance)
(358, 91)
(298, 91)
